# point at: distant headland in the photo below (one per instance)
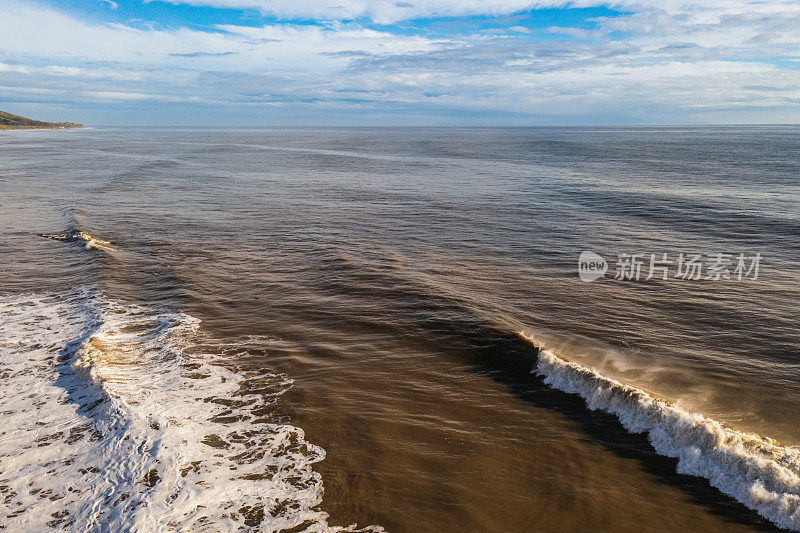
(15, 122)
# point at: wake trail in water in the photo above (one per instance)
(757, 471)
(124, 418)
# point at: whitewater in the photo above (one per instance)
(124, 418)
(755, 470)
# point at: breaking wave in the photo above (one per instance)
(755, 470)
(88, 240)
(123, 418)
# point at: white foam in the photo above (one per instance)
(90, 240)
(94, 242)
(755, 470)
(119, 418)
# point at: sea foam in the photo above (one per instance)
(85, 237)
(123, 418)
(755, 470)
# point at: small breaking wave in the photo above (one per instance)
(757, 471)
(83, 237)
(123, 418)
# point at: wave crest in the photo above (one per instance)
(757, 471)
(89, 241)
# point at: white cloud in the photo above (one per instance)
(387, 11)
(33, 32)
(382, 11)
(675, 61)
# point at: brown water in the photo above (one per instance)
(363, 291)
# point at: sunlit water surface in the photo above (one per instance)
(321, 329)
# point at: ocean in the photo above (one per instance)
(395, 329)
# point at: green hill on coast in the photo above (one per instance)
(15, 122)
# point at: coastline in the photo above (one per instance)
(54, 127)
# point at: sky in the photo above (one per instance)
(401, 62)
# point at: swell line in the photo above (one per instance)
(755, 470)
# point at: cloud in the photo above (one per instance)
(389, 11)
(204, 54)
(579, 33)
(663, 61)
(381, 11)
(29, 32)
